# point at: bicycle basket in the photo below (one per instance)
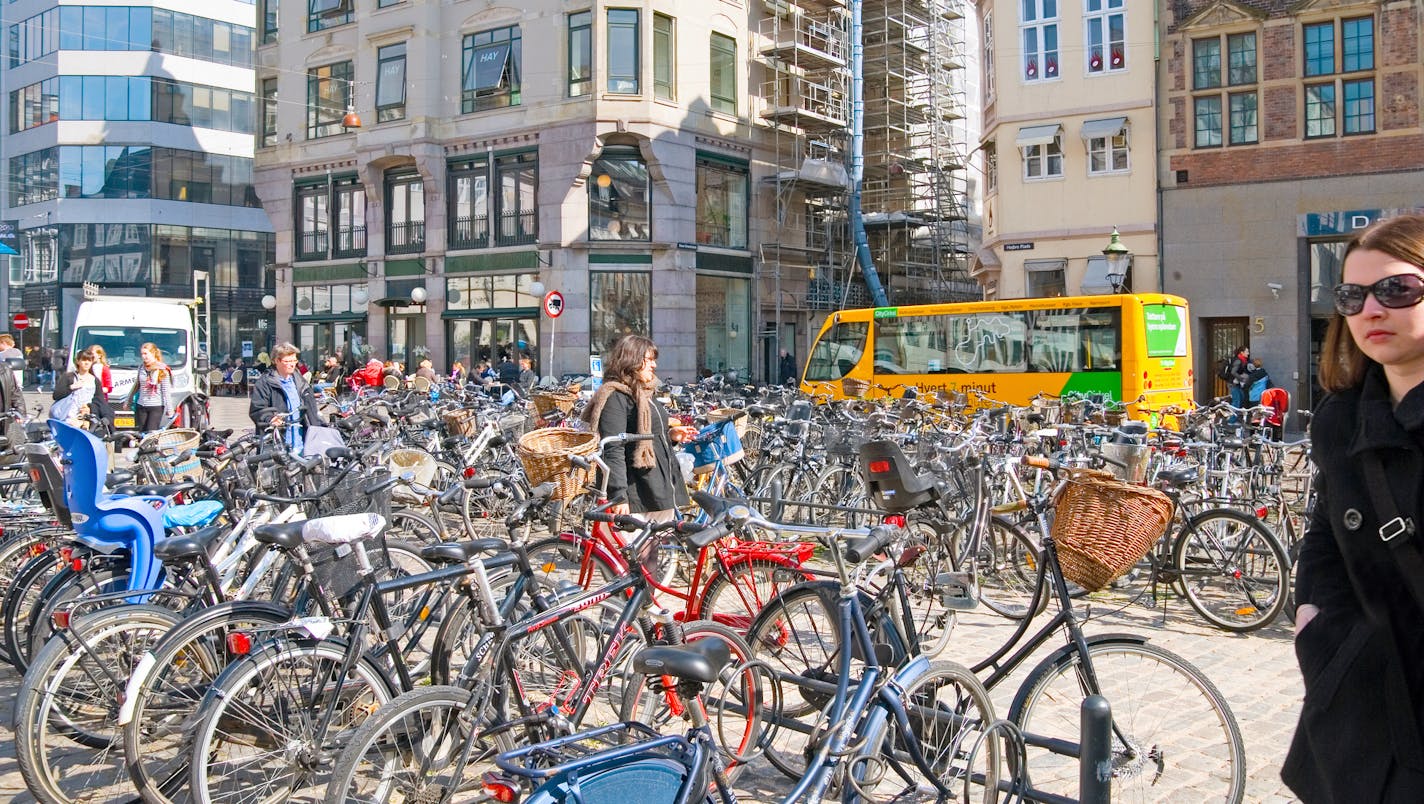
(545, 456)
(1103, 526)
(843, 442)
(721, 443)
(462, 423)
(165, 463)
(1134, 458)
(337, 570)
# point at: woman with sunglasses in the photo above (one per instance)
(1360, 578)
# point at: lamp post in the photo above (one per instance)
(1118, 259)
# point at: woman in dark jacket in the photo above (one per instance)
(643, 476)
(1360, 577)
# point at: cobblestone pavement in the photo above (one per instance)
(1256, 673)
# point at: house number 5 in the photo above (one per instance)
(1259, 325)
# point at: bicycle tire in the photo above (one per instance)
(735, 598)
(483, 511)
(15, 555)
(1234, 570)
(66, 713)
(1006, 565)
(412, 526)
(270, 698)
(948, 713)
(65, 588)
(21, 597)
(839, 486)
(1168, 710)
(164, 700)
(389, 752)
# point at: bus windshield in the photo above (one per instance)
(838, 351)
(121, 344)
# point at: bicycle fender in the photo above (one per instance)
(1064, 654)
(872, 731)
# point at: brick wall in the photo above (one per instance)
(1276, 54)
(1319, 159)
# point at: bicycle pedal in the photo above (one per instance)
(957, 590)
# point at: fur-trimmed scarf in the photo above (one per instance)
(643, 455)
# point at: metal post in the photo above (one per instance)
(1095, 751)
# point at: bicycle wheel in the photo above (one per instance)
(948, 712)
(1006, 562)
(1175, 737)
(933, 620)
(261, 734)
(21, 596)
(66, 714)
(164, 697)
(97, 578)
(1235, 572)
(425, 745)
(412, 527)
(484, 510)
(839, 486)
(734, 599)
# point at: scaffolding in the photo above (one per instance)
(914, 192)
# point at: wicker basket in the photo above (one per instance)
(461, 423)
(722, 414)
(1104, 526)
(854, 387)
(164, 463)
(545, 456)
(546, 402)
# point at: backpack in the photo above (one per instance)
(1224, 369)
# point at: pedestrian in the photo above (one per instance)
(1239, 371)
(74, 391)
(527, 378)
(284, 397)
(1257, 381)
(1360, 576)
(152, 395)
(644, 477)
(788, 368)
(104, 386)
(7, 347)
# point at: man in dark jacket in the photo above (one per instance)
(279, 394)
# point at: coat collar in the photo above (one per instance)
(1381, 424)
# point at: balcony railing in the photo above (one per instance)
(470, 232)
(313, 246)
(350, 241)
(405, 238)
(518, 228)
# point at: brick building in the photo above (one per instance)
(1286, 126)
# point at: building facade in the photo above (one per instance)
(636, 167)
(1068, 145)
(1287, 126)
(128, 162)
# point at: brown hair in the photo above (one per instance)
(1342, 364)
(87, 354)
(626, 356)
(282, 350)
(100, 356)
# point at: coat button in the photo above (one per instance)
(1353, 519)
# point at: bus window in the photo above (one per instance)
(911, 345)
(985, 342)
(1075, 340)
(837, 352)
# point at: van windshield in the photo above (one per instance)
(121, 344)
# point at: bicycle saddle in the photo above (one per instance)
(1181, 476)
(189, 545)
(287, 535)
(344, 528)
(700, 661)
(460, 552)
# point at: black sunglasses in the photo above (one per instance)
(1394, 292)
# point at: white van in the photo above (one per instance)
(122, 324)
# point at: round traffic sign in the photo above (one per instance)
(20, 321)
(553, 304)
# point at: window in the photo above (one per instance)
(390, 83)
(349, 200)
(269, 111)
(1038, 29)
(664, 58)
(624, 61)
(328, 98)
(313, 222)
(618, 204)
(619, 303)
(1045, 278)
(469, 204)
(268, 13)
(1104, 22)
(1215, 113)
(79, 27)
(837, 353)
(1346, 104)
(1042, 148)
(988, 39)
(405, 213)
(1107, 145)
(724, 74)
(991, 166)
(580, 53)
(323, 14)
(38, 104)
(518, 212)
(721, 203)
(490, 72)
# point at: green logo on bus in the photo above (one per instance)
(887, 312)
(1166, 330)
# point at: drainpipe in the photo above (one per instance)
(857, 158)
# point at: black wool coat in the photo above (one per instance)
(656, 489)
(1362, 657)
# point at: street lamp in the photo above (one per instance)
(269, 302)
(360, 295)
(1118, 259)
(418, 295)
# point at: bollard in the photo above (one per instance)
(1095, 751)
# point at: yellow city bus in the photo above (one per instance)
(1123, 345)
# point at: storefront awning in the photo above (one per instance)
(1038, 135)
(1107, 127)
